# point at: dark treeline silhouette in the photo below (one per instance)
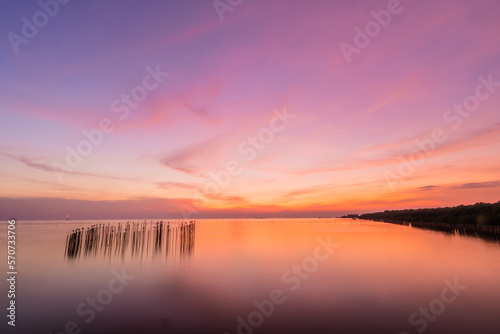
(479, 213)
(478, 220)
(138, 239)
(352, 215)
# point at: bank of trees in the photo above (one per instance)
(479, 213)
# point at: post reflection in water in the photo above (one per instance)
(134, 239)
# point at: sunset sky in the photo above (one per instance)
(379, 129)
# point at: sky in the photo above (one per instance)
(192, 109)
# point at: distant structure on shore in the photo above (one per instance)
(352, 215)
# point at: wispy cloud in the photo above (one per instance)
(427, 188)
(478, 185)
(309, 190)
(189, 159)
(228, 200)
(390, 153)
(33, 163)
(175, 185)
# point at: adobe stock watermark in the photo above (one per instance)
(30, 27)
(436, 307)
(248, 150)
(372, 29)
(293, 279)
(121, 106)
(87, 309)
(455, 115)
(223, 6)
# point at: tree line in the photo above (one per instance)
(479, 213)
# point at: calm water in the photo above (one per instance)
(305, 276)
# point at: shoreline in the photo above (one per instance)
(483, 231)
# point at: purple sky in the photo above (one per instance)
(374, 130)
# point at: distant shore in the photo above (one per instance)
(482, 219)
(477, 214)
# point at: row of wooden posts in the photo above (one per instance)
(138, 238)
